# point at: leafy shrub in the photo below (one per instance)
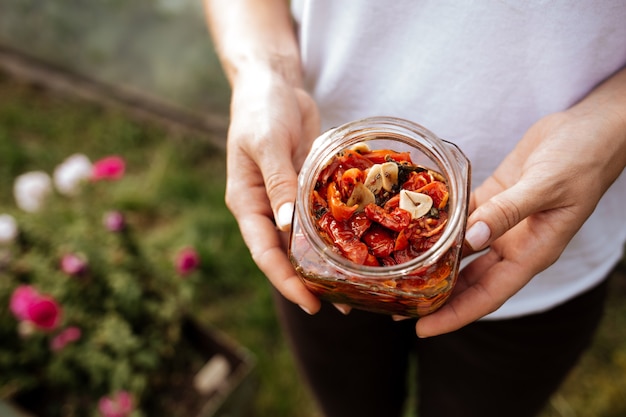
(90, 310)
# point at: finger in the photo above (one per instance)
(280, 179)
(280, 165)
(270, 257)
(247, 200)
(502, 211)
(343, 308)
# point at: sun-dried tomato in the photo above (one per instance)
(380, 156)
(417, 180)
(379, 233)
(318, 204)
(371, 260)
(396, 219)
(379, 241)
(340, 210)
(438, 191)
(392, 203)
(349, 179)
(359, 223)
(342, 162)
(344, 238)
(402, 256)
(402, 240)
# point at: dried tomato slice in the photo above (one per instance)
(371, 260)
(359, 223)
(420, 244)
(417, 180)
(338, 208)
(318, 203)
(343, 237)
(392, 203)
(342, 162)
(438, 191)
(402, 256)
(379, 241)
(348, 180)
(396, 219)
(380, 156)
(402, 240)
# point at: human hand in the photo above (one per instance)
(271, 130)
(530, 208)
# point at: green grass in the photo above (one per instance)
(186, 176)
(597, 386)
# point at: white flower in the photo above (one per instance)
(69, 175)
(31, 189)
(8, 228)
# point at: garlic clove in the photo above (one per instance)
(417, 204)
(374, 179)
(360, 147)
(389, 173)
(362, 196)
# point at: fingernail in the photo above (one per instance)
(306, 310)
(284, 216)
(478, 235)
(343, 308)
(397, 317)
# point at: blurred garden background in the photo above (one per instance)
(140, 79)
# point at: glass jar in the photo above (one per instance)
(413, 288)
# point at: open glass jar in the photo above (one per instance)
(412, 286)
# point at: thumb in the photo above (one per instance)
(284, 215)
(281, 187)
(282, 198)
(499, 211)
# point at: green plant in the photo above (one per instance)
(91, 311)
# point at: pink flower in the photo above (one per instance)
(109, 168)
(21, 299)
(119, 404)
(68, 335)
(73, 264)
(27, 304)
(187, 260)
(45, 313)
(114, 221)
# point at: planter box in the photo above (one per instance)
(225, 386)
(230, 396)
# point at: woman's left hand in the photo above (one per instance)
(526, 213)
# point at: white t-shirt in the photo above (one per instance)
(479, 74)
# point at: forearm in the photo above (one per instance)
(254, 37)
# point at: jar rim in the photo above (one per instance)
(443, 153)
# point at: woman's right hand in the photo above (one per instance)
(273, 122)
(272, 127)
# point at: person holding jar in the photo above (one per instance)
(535, 96)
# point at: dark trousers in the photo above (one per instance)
(356, 365)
